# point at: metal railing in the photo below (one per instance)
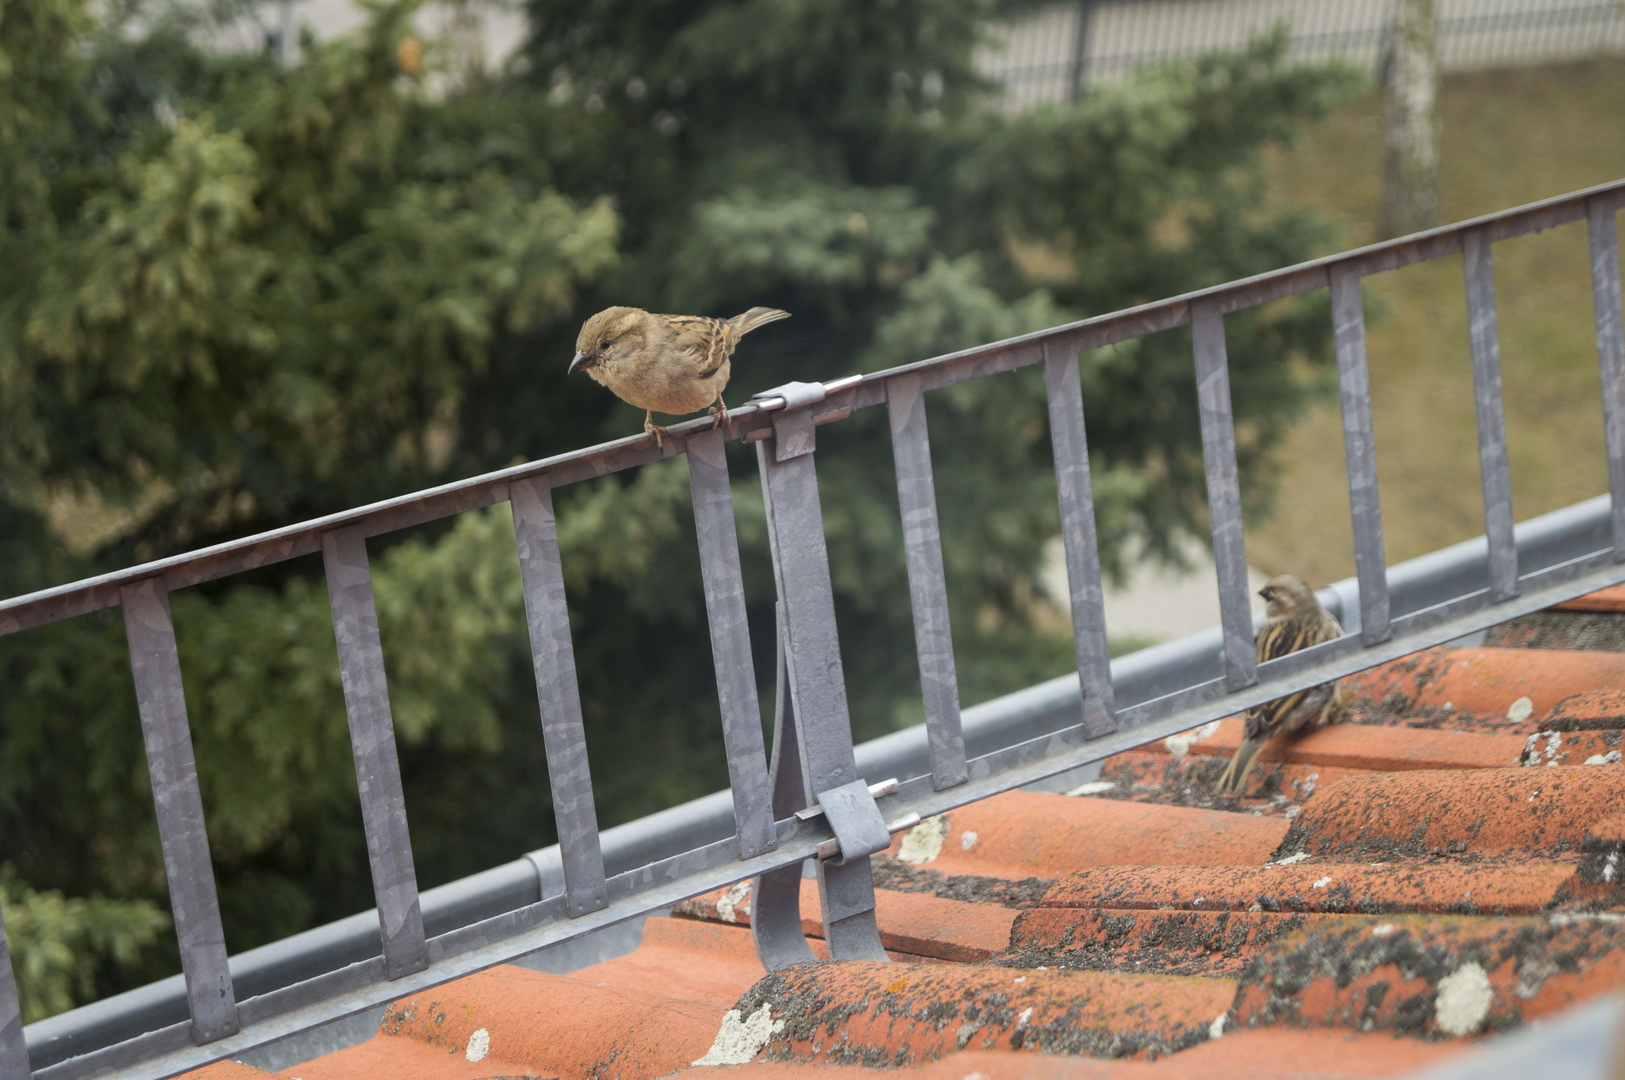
(1051, 55)
(811, 802)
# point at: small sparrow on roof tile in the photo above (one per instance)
(664, 363)
(1296, 621)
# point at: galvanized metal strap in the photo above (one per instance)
(1494, 471)
(1073, 487)
(161, 700)
(775, 918)
(730, 643)
(1605, 301)
(1223, 493)
(927, 581)
(1360, 455)
(377, 762)
(816, 681)
(13, 1049)
(563, 732)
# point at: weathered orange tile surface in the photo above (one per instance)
(1023, 834)
(1443, 865)
(902, 1014)
(1486, 684)
(1609, 599)
(1318, 885)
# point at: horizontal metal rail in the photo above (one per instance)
(835, 814)
(488, 489)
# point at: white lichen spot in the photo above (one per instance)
(1520, 710)
(1290, 859)
(1610, 866)
(1292, 812)
(1021, 978)
(734, 903)
(967, 841)
(1384, 930)
(1216, 1029)
(1093, 787)
(1610, 758)
(1553, 741)
(741, 1038)
(1463, 1000)
(1532, 797)
(1323, 882)
(1449, 706)
(1026, 1015)
(479, 1045)
(923, 843)
(1180, 745)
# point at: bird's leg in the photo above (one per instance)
(652, 428)
(720, 412)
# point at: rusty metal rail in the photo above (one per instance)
(809, 802)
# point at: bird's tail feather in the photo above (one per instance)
(1234, 778)
(756, 317)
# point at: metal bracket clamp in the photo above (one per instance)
(860, 829)
(793, 427)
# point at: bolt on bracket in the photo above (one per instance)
(860, 828)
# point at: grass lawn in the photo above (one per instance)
(1510, 136)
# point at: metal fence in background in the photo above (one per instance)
(812, 801)
(1050, 56)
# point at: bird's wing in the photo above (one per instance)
(705, 342)
(1276, 640)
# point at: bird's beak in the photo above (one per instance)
(582, 360)
(1261, 592)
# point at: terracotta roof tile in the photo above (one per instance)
(531, 1023)
(1484, 687)
(899, 1014)
(1381, 816)
(1608, 600)
(1443, 864)
(910, 923)
(1430, 976)
(1023, 834)
(1318, 886)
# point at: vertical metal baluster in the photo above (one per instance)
(1072, 484)
(1610, 353)
(927, 583)
(1360, 456)
(372, 742)
(816, 681)
(559, 695)
(1485, 341)
(13, 1047)
(173, 768)
(730, 644)
(1224, 494)
(775, 901)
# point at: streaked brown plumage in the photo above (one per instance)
(1296, 621)
(664, 363)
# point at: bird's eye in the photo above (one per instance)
(604, 344)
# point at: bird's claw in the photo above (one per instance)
(652, 428)
(720, 417)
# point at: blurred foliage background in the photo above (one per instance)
(237, 294)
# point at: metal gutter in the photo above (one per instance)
(1014, 718)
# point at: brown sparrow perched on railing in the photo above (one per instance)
(1296, 621)
(664, 363)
